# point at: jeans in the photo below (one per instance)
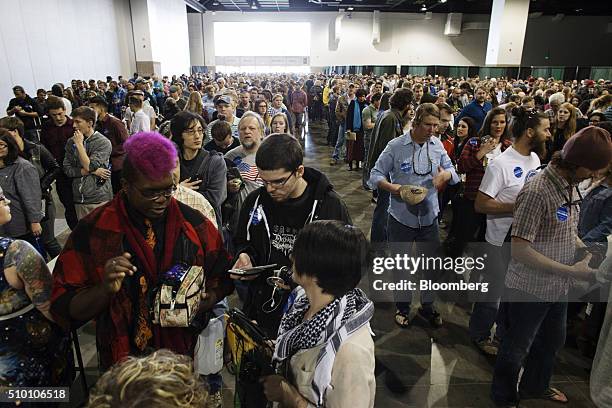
(340, 143)
(484, 314)
(398, 232)
(380, 217)
(366, 166)
(534, 334)
(298, 124)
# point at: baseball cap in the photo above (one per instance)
(413, 195)
(590, 147)
(174, 88)
(223, 99)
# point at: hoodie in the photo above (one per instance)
(85, 189)
(267, 230)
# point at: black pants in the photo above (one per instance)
(467, 226)
(52, 247)
(116, 181)
(63, 187)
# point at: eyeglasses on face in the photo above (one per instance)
(280, 182)
(193, 131)
(153, 195)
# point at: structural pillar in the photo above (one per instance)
(507, 32)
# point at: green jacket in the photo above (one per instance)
(387, 127)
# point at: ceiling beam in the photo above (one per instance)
(196, 6)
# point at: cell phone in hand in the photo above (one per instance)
(255, 270)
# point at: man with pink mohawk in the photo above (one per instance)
(121, 253)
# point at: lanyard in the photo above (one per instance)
(414, 164)
(568, 198)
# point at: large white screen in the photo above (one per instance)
(258, 39)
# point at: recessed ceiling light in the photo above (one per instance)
(443, 1)
(350, 9)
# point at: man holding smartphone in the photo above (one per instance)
(273, 215)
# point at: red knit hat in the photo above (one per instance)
(591, 147)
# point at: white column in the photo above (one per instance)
(507, 32)
(161, 36)
(196, 39)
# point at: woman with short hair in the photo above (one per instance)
(324, 343)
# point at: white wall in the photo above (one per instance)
(406, 39)
(409, 39)
(169, 35)
(47, 41)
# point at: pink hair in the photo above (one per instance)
(153, 155)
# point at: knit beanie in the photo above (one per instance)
(591, 147)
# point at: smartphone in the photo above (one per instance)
(251, 271)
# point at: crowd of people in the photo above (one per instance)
(181, 186)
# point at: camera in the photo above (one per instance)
(281, 277)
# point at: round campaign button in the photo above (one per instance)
(518, 172)
(530, 175)
(406, 167)
(562, 213)
(473, 141)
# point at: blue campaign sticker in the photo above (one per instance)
(518, 172)
(473, 141)
(255, 216)
(530, 175)
(562, 213)
(406, 167)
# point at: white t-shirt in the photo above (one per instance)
(140, 123)
(503, 180)
(68, 106)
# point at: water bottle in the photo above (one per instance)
(209, 347)
(100, 181)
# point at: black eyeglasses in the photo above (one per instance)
(153, 195)
(278, 183)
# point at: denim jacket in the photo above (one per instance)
(596, 215)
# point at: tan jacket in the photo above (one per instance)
(352, 382)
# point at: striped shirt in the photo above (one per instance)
(542, 217)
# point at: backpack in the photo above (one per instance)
(251, 359)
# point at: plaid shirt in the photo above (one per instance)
(99, 237)
(542, 217)
(196, 201)
(473, 168)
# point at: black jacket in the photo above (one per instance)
(45, 163)
(253, 238)
(256, 240)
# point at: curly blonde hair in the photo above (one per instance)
(161, 380)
